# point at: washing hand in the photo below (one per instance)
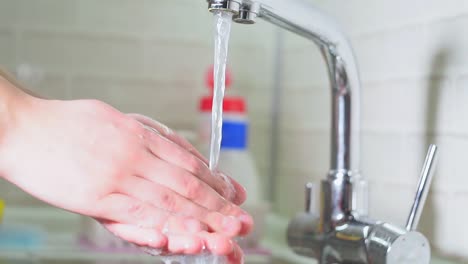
(144, 183)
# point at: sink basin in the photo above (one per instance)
(61, 246)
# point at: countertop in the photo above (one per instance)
(61, 245)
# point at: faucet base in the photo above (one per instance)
(341, 233)
(396, 246)
(357, 242)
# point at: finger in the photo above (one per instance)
(137, 235)
(240, 196)
(240, 192)
(153, 239)
(168, 200)
(186, 184)
(123, 209)
(168, 133)
(184, 244)
(217, 243)
(195, 190)
(237, 256)
(178, 156)
(158, 243)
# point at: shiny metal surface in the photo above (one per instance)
(305, 20)
(392, 245)
(306, 227)
(311, 202)
(224, 5)
(424, 184)
(248, 13)
(361, 198)
(340, 231)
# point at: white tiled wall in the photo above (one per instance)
(145, 56)
(142, 55)
(413, 58)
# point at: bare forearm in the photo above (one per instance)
(13, 103)
(9, 96)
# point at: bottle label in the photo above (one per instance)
(234, 135)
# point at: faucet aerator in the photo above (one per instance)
(248, 13)
(232, 6)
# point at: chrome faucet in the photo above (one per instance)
(341, 231)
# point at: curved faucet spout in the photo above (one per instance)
(341, 231)
(305, 20)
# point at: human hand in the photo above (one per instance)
(148, 188)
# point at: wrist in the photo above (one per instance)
(14, 102)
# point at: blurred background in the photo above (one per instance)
(150, 57)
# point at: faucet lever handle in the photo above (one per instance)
(423, 188)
